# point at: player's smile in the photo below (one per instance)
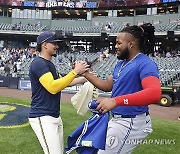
(118, 52)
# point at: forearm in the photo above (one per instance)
(150, 94)
(144, 97)
(98, 82)
(55, 86)
(78, 80)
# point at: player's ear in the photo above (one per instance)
(44, 45)
(130, 44)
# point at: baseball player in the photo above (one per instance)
(134, 84)
(44, 114)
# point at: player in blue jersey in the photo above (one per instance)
(134, 84)
(44, 115)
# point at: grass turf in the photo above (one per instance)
(164, 139)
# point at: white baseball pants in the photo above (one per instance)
(49, 131)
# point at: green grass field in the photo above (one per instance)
(165, 138)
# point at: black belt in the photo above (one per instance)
(127, 116)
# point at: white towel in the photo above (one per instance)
(81, 99)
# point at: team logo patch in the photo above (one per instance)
(112, 141)
(126, 101)
(13, 115)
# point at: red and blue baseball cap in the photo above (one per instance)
(49, 37)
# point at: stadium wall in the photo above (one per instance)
(46, 22)
(164, 19)
(71, 23)
(118, 20)
(136, 19)
(6, 20)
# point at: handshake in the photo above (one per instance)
(80, 67)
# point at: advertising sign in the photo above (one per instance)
(28, 4)
(24, 84)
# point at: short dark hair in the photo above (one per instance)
(38, 47)
(145, 36)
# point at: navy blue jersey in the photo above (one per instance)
(127, 80)
(43, 103)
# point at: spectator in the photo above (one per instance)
(7, 70)
(18, 65)
(14, 74)
(168, 54)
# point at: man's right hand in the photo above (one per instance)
(80, 67)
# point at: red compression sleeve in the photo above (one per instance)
(150, 94)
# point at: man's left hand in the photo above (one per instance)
(105, 105)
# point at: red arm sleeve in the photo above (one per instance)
(150, 94)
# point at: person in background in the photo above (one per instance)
(7, 69)
(14, 74)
